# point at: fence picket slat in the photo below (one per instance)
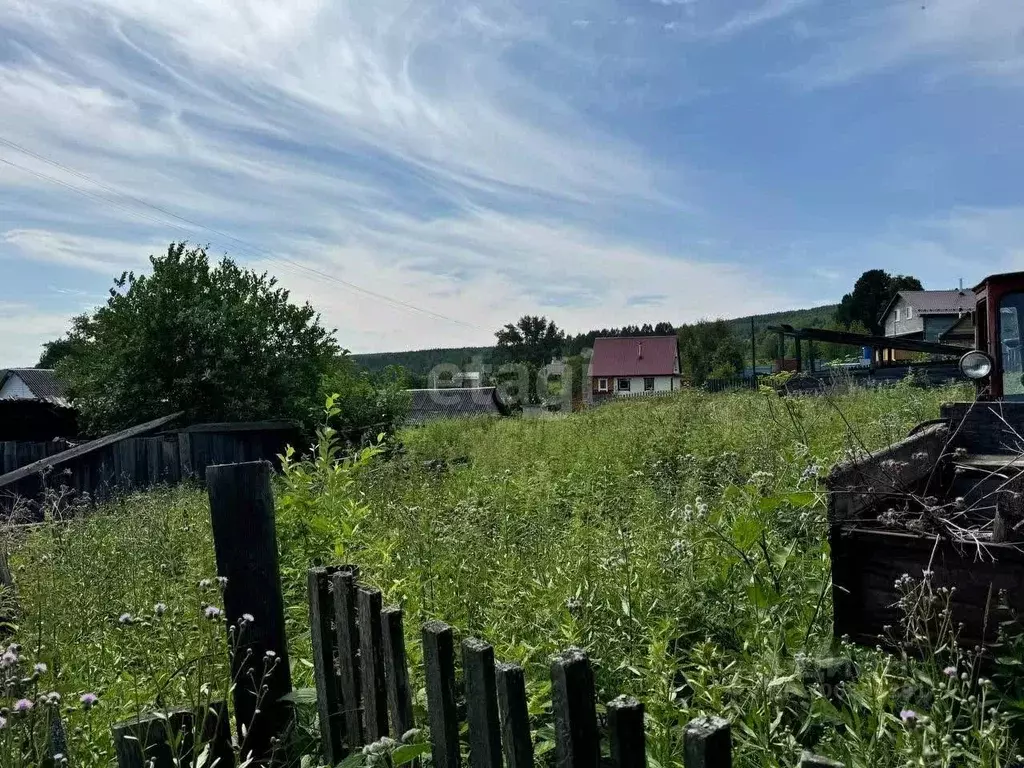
(245, 544)
(708, 743)
(481, 704)
(371, 656)
(439, 660)
(577, 740)
(396, 672)
(515, 716)
(347, 628)
(159, 741)
(628, 744)
(328, 693)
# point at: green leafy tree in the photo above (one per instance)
(709, 349)
(871, 293)
(218, 342)
(533, 342)
(54, 352)
(365, 405)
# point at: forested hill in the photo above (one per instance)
(419, 362)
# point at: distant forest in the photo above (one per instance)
(418, 363)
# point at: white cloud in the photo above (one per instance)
(769, 11)
(958, 36)
(24, 329)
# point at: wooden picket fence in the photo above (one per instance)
(363, 689)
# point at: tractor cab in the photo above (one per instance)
(946, 504)
(996, 364)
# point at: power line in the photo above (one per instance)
(281, 260)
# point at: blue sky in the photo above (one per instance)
(601, 162)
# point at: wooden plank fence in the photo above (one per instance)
(363, 690)
(139, 461)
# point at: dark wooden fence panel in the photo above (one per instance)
(141, 461)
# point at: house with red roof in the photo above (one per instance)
(634, 365)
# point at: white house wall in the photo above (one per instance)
(15, 389)
(636, 384)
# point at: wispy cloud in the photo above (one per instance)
(958, 36)
(769, 11)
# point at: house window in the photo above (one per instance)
(623, 385)
(910, 312)
(897, 315)
(649, 384)
(602, 385)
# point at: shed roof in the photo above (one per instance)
(934, 302)
(635, 356)
(452, 403)
(41, 383)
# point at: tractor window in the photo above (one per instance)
(1011, 318)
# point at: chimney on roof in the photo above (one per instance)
(961, 285)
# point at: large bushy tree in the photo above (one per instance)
(709, 349)
(217, 341)
(533, 342)
(368, 403)
(871, 293)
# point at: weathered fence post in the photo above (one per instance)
(371, 657)
(245, 543)
(396, 672)
(626, 733)
(347, 627)
(439, 660)
(169, 740)
(328, 693)
(481, 704)
(708, 743)
(515, 716)
(577, 739)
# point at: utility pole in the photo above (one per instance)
(753, 351)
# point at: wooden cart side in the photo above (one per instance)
(859, 486)
(868, 563)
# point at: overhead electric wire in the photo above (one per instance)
(267, 255)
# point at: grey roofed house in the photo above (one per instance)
(427, 405)
(39, 384)
(925, 315)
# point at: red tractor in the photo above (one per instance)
(947, 503)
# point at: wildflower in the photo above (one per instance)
(89, 700)
(159, 609)
(222, 582)
(908, 716)
(40, 668)
(212, 612)
(125, 618)
(23, 705)
(205, 584)
(678, 547)
(950, 672)
(270, 655)
(9, 659)
(3, 722)
(248, 618)
(52, 698)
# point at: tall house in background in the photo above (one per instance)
(634, 365)
(929, 316)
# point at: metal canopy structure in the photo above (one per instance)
(876, 343)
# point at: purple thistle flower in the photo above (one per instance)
(949, 671)
(248, 618)
(212, 612)
(40, 668)
(908, 716)
(23, 705)
(89, 700)
(271, 654)
(222, 582)
(125, 618)
(9, 659)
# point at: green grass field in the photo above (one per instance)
(680, 541)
